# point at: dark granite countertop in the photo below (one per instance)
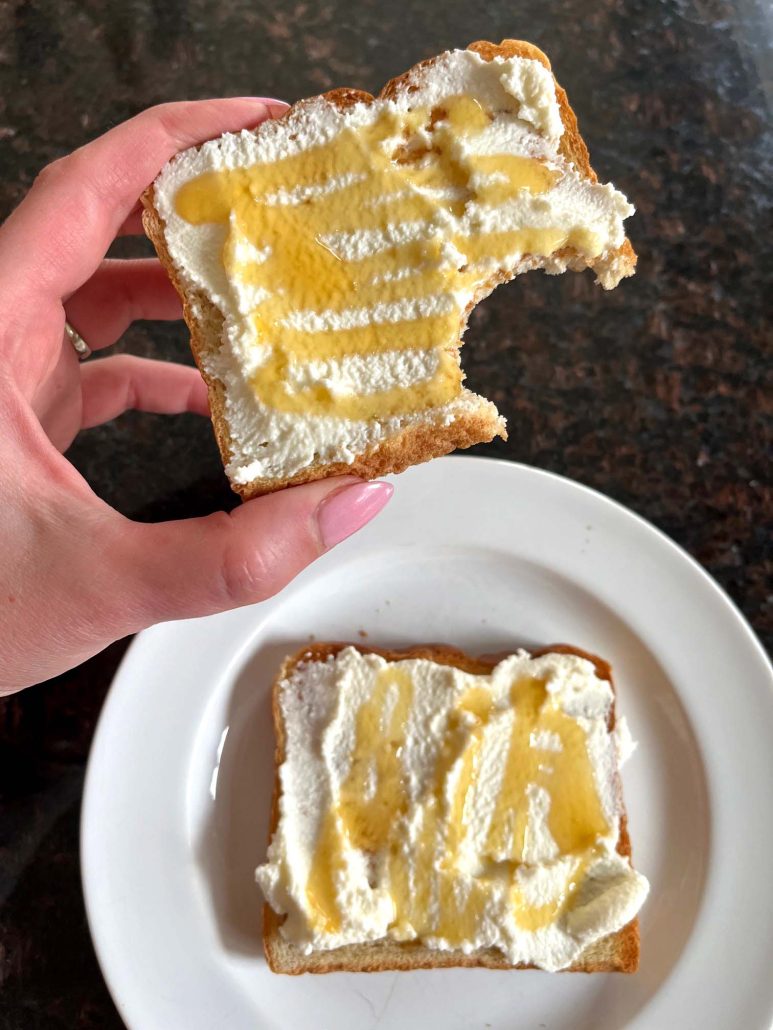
(658, 394)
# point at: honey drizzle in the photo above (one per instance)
(425, 885)
(398, 178)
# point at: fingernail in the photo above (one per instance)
(276, 108)
(347, 510)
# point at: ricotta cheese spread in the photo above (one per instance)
(420, 802)
(344, 247)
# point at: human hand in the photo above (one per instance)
(74, 573)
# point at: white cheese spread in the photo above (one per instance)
(524, 122)
(419, 802)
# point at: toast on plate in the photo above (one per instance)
(390, 850)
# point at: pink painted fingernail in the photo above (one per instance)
(277, 110)
(348, 509)
(274, 108)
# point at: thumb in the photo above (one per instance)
(199, 566)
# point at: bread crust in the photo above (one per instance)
(414, 443)
(617, 952)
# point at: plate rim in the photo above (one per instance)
(100, 940)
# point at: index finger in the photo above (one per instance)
(58, 235)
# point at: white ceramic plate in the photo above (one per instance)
(485, 555)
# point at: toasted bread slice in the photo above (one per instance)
(617, 952)
(403, 442)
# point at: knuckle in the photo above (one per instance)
(70, 177)
(170, 120)
(246, 575)
(52, 173)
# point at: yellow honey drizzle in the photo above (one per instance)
(366, 821)
(369, 179)
(576, 817)
(425, 884)
(369, 821)
(328, 864)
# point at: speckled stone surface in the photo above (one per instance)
(658, 394)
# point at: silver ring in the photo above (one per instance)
(80, 346)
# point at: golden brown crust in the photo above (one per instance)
(204, 321)
(572, 145)
(415, 443)
(618, 952)
(409, 446)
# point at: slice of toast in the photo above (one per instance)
(617, 952)
(391, 445)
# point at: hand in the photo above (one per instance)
(75, 574)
